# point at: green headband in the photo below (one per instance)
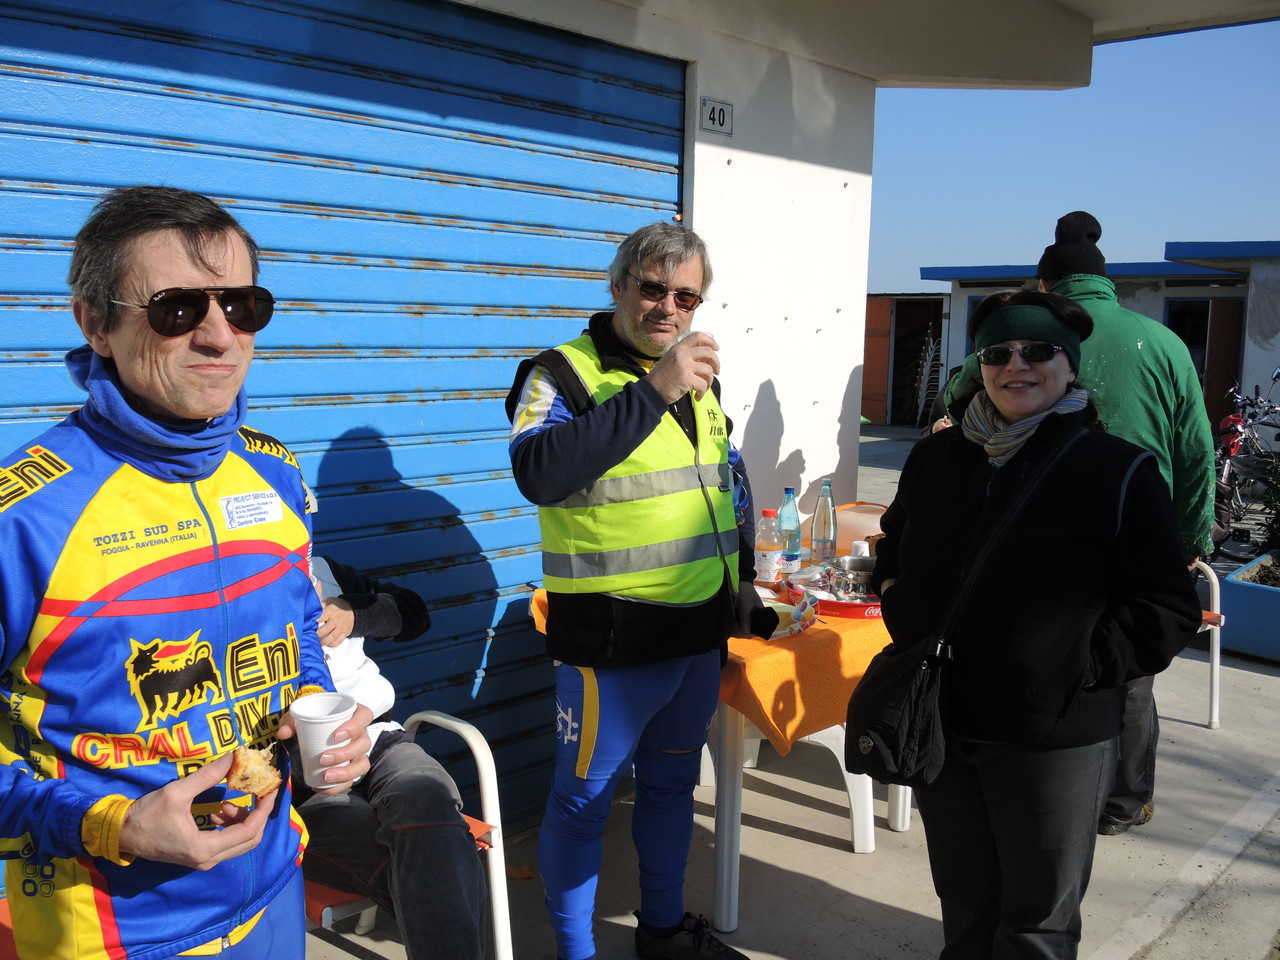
(1024, 321)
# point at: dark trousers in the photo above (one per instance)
(1011, 832)
(398, 836)
(1136, 771)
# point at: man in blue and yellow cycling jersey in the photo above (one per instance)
(619, 438)
(156, 613)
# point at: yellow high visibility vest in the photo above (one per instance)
(659, 526)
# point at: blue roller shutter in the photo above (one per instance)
(436, 190)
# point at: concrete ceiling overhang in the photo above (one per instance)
(1234, 255)
(1028, 44)
(976, 44)
(1129, 19)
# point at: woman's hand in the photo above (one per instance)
(337, 620)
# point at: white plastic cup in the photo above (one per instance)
(315, 718)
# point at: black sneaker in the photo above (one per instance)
(1111, 826)
(692, 941)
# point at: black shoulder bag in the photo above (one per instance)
(893, 729)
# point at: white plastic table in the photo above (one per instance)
(794, 688)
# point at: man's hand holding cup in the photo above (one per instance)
(688, 366)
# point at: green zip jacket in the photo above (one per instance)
(1141, 378)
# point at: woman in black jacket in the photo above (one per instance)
(1086, 590)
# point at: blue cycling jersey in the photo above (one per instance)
(156, 611)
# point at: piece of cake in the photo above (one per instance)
(253, 771)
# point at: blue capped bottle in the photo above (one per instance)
(789, 528)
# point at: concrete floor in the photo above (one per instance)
(1201, 879)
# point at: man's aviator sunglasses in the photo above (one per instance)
(1031, 352)
(655, 291)
(178, 310)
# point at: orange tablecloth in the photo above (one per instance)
(794, 686)
(798, 685)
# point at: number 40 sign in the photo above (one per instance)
(717, 116)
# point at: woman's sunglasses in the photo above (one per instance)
(178, 310)
(655, 291)
(1031, 352)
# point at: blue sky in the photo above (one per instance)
(1176, 139)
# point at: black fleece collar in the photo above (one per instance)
(612, 351)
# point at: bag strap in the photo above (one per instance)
(1124, 488)
(996, 532)
(568, 380)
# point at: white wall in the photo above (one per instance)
(1262, 327)
(788, 239)
(1147, 297)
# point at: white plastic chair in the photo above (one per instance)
(858, 786)
(1211, 623)
(326, 906)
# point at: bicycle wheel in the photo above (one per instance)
(1262, 439)
(1249, 511)
(1241, 550)
(1253, 497)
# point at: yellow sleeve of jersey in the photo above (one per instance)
(100, 829)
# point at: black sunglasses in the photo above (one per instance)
(1031, 352)
(178, 310)
(653, 290)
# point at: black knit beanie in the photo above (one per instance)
(1074, 250)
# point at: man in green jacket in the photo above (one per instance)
(1140, 376)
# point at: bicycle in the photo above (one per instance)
(1246, 492)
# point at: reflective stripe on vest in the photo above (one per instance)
(642, 485)
(668, 553)
(660, 526)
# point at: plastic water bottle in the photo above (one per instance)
(789, 527)
(822, 535)
(768, 550)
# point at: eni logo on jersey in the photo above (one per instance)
(168, 678)
(29, 474)
(177, 684)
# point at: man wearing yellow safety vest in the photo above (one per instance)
(619, 438)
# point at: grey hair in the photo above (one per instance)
(103, 247)
(665, 245)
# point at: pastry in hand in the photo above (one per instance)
(253, 771)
